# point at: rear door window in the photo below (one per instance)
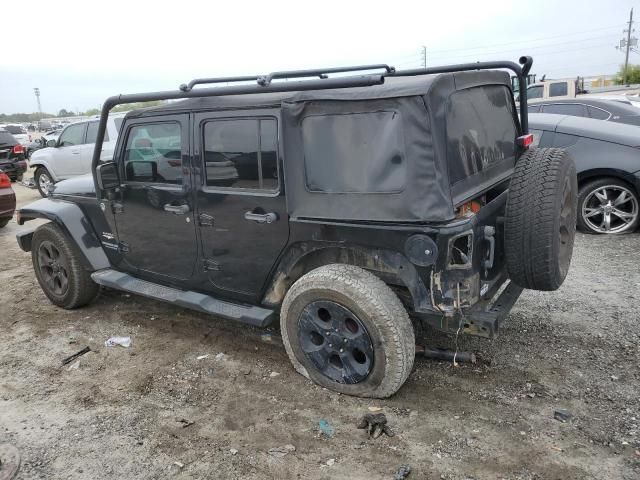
(481, 130)
(92, 133)
(573, 109)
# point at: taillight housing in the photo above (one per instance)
(5, 181)
(17, 149)
(525, 141)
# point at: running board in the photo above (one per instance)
(257, 316)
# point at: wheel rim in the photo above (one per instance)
(610, 209)
(54, 269)
(336, 341)
(44, 181)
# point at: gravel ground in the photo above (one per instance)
(127, 412)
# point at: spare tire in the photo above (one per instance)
(540, 223)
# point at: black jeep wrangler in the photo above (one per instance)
(356, 207)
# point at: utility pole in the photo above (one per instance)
(424, 56)
(626, 56)
(37, 92)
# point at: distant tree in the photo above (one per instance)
(23, 117)
(633, 74)
(92, 111)
(136, 106)
(64, 113)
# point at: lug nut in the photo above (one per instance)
(341, 350)
(330, 345)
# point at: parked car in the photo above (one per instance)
(7, 200)
(600, 109)
(12, 156)
(18, 132)
(607, 158)
(44, 125)
(69, 154)
(399, 199)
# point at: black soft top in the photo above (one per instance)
(376, 153)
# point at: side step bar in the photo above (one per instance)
(257, 316)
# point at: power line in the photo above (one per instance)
(530, 40)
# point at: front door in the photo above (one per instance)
(68, 153)
(240, 201)
(154, 220)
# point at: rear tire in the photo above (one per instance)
(58, 266)
(379, 341)
(42, 179)
(4, 222)
(540, 221)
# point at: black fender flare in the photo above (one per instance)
(73, 222)
(392, 267)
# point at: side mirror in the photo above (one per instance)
(52, 143)
(142, 171)
(107, 176)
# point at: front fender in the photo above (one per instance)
(73, 222)
(42, 158)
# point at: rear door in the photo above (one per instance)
(240, 199)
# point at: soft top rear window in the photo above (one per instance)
(481, 130)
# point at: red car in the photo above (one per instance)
(7, 199)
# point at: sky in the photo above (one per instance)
(80, 52)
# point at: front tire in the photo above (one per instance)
(58, 266)
(4, 222)
(346, 330)
(43, 179)
(608, 205)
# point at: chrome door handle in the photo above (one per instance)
(176, 209)
(75, 153)
(261, 217)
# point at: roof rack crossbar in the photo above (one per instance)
(265, 80)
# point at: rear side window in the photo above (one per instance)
(573, 109)
(241, 153)
(558, 89)
(354, 153)
(153, 153)
(92, 133)
(481, 130)
(598, 113)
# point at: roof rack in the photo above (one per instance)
(264, 84)
(265, 80)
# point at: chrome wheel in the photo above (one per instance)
(44, 181)
(610, 209)
(336, 341)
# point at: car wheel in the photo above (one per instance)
(59, 269)
(346, 330)
(43, 180)
(4, 222)
(540, 219)
(608, 205)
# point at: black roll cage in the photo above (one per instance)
(264, 84)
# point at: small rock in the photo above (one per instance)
(375, 409)
(331, 462)
(266, 337)
(74, 366)
(220, 356)
(274, 374)
(562, 415)
(280, 452)
(233, 451)
(179, 464)
(531, 395)
(402, 473)
(202, 357)
(246, 371)
(614, 378)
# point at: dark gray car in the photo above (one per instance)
(619, 111)
(607, 158)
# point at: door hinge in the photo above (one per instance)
(211, 265)
(205, 220)
(123, 247)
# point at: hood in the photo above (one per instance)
(81, 186)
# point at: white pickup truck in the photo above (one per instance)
(562, 89)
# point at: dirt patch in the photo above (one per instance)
(127, 413)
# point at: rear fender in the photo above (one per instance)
(73, 222)
(392, 267)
